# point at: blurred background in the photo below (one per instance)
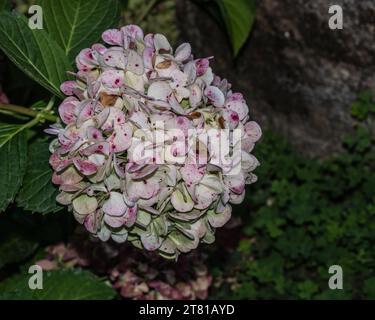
(311, 89)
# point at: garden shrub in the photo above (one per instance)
(306, 215)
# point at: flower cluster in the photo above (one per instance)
(125, 94)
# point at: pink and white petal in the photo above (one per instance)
(235, 183)
(159, 90)
(150, 241)
(67, 110)
(115, 222)
(87, 58)
(70, 176)
(64, 198)
(202, 66)
(191, 174)
(182, 201)
(116, 118)
(195, 97)
(84, 204)
(204, 197)
(215, 95)
(68, 87)
(133, 32)
(113, 79)
(86, 112)
(115, 205)
(144, 171)
(135, 63)
(101, 118)
(236, 198)
(248, 162)
(98, 47)
(231, 119)
(115, 58)
(121, 138)
(112, 36)
(149, 40)
(183, 52)
(56, 179)
(190, 70)
(162, 44)
(98, 147)
(94, 134)
(179, 79)
(120, 237)
(207, 77)
(144, 189)
(253, 131)
(58, 163)
(239, 106)
(85, 167)
(131, 216)
(217, 220)
(90, 222)
(148, 55)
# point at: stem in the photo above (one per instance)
(32, 123)
(31, 113)
(50, 104)
(147, 10)
(48, 116)
(14, 115)
(19, 109)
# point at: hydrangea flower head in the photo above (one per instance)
(146, 150)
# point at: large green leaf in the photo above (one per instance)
(239, 18)
(33, 51)
(65, 284)
(13, 155)
(4, 4)
(77, 24)
(38, 194)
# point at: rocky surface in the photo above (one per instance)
(300, 77)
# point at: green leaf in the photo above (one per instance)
(4, 5)
(13, 155)
(38, 194)
(64, 284)
(16, 241)
(239, 17)
(77, 24)
(33, 51)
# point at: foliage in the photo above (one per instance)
(33, 51)
(13, 146)
(235, 16)
(239, 17)
(76, 24)
(68, 284)
(305, 216)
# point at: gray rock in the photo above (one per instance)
(299, 76)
